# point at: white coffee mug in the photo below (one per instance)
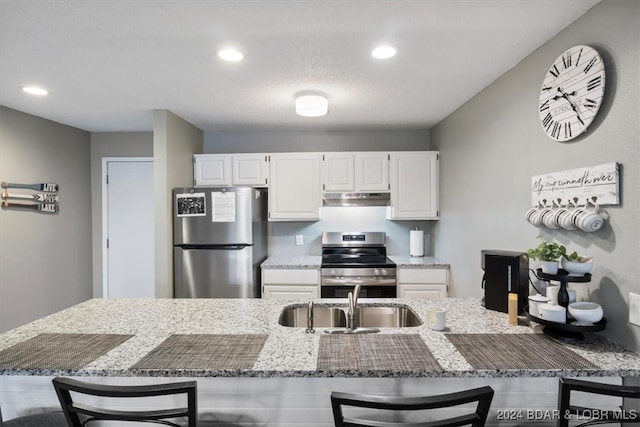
(437, 318)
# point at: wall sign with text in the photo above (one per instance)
(598, 184)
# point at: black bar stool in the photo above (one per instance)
(79, 414)
(595, 416)
(477, 418)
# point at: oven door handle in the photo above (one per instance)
(362, 282)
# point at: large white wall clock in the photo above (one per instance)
(571, 93)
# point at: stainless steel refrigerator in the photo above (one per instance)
(220, 239)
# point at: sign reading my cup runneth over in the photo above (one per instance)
(601, 182)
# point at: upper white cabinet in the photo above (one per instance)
(212, 170)
(338, 172)
(294, 192)
(372, 171)
(359, 171)
(222, 170)
(250, 169)
(414, 185)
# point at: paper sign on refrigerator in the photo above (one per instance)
(223, 207)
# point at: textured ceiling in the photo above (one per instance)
(109, 64)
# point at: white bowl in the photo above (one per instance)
(576, 268)
(586, 312)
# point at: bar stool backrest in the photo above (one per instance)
(594, 415)
(476, 418)
(80, 414)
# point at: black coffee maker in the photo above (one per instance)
(504, 272)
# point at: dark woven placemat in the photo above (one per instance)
(204, 351)
(59, 351)
(516, 351)
(378, 352)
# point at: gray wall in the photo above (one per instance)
(282, 234)
(109, 144)
(45, 259)
(279, 141)
(490, 148)
(174, 143)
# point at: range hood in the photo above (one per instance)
(355, 199)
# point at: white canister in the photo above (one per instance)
(553, 313)
(534, 302)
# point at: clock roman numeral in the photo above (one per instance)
(555, 133)
(590, 64)
(590, 103)
(567, 130)
(594, 83)
(579, 55)
(544, 106)
(554, 72)
(566, 61)
(546, 122)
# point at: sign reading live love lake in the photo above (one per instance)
(596, 183)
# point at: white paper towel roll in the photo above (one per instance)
(416, 243)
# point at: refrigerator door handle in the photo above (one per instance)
(236, 247)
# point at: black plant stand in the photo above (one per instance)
(568, 331)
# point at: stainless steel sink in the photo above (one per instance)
(367, 316)
(394, 316)
(323, 317)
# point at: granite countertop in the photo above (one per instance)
(292, 261)
(314, 261)
(290, 352)
(406, 261)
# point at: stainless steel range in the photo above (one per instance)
(356, 258)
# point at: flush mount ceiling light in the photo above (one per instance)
(383, 52)
(35, 90)
(230, 55)
(311, 104)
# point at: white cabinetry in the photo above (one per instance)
(414, 185)
(423, 282)
(222, 170)
(372, 171)
(290, 284)
(338, 172)
(361, 171)
(294, 187)
(212, 170)
(250, 170)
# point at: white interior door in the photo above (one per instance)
(129, 241)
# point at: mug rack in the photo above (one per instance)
(46, 201)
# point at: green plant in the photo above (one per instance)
(546, 251)
(574, 257)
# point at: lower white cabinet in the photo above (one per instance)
(287, 283)
(423, 282)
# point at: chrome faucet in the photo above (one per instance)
(353, 304)
(310, 329)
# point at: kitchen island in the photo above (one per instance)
(279, 382)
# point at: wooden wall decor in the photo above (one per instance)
(596, 184)
(46, 201)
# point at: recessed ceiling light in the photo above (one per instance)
(383, 52)
(311, 104)
(231, 55)
(35, 90)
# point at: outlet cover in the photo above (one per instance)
(299, 240)
(634, 308)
